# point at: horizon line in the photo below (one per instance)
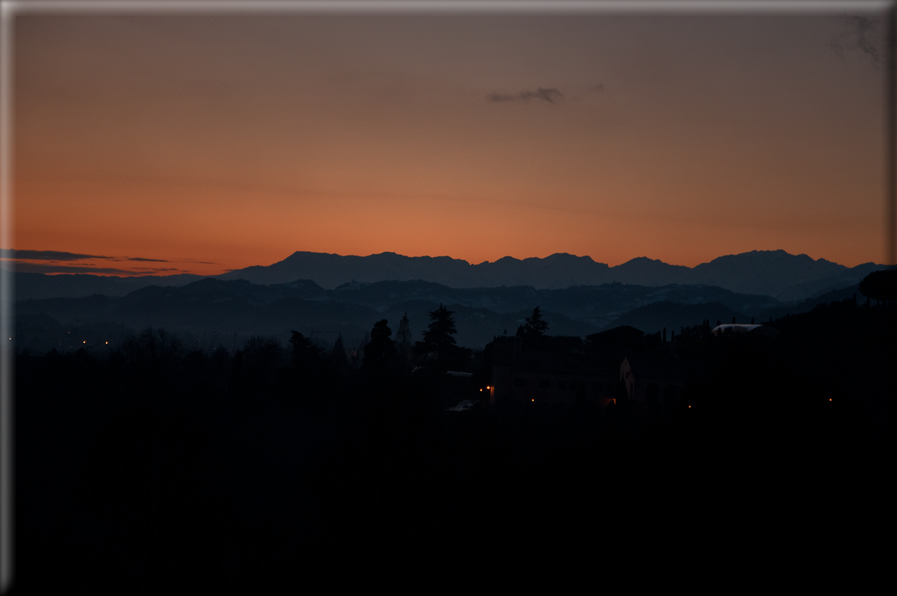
(5, 260)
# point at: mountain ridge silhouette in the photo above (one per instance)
(760, 272)
(773, 273)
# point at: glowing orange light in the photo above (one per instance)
(84, 342)
(107, 343)
(830, 399)
(689, 406)
(480, 389)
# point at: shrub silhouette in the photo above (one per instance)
(880, 285)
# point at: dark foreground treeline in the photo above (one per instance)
(156, 470)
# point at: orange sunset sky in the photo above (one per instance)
(210, 142)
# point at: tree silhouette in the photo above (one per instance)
(438, 338)
(381, 350)
(304, 351)
(153, 355)
(535, 325)
(338, 358)
(403, 340)
(880, 285)
(356, 356)
(153, 347)
(262, 353)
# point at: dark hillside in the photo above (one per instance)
(146, 466)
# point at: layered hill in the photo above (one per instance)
(214, 310)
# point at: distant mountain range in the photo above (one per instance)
(325, 295)
(773, 273)
(30, 286)
(757, 272)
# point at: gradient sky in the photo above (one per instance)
(214, 142)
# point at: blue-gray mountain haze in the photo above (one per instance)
(577, 295)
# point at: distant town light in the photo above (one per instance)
(533, 400)
(107, 343)
(84, 342)
(689, 406)
(830, 399)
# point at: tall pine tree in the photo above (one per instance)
(535, 324)
(438, 338)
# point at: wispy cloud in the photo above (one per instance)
(45, 255)
(54, 256)
(54, 261)
(860, 33)
(23, 267)
(551, 95)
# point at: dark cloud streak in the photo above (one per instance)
(55, 256)
(862, 33)
(41, 268)
(551, 95)
(45, 255)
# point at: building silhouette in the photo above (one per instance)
(620, 363)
